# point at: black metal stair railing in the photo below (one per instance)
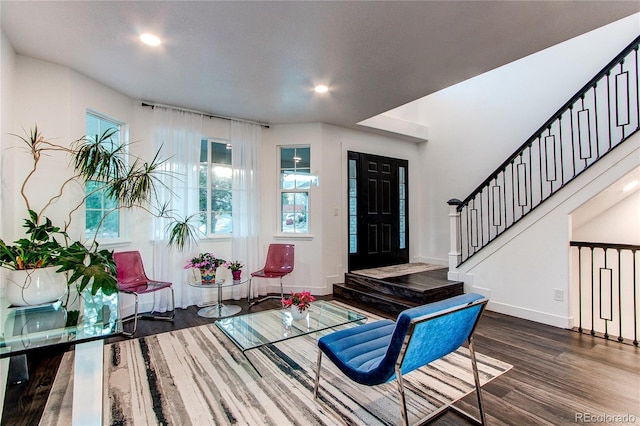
(606, 278)
(602, 115)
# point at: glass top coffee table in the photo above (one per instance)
(258, 329)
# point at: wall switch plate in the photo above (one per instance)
(558, 295)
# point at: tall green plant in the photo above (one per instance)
(92, 159)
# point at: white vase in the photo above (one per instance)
(31, 287)
(296, 314)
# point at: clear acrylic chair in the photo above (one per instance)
(280, 259)
(133, 280)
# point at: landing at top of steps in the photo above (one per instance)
(397, 270)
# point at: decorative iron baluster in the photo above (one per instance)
(593, 327)
(609, 316)
(588, 111)
(620, 338)
(635, 303)
(625, 289)
(580, 289)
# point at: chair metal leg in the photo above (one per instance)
(403, 403)
(137, 315)
(249, 291)
(483, 420)
(173, 309)
(315, 389)
(281, 289)
(134, 318)
(266, 297)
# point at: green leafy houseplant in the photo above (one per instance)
(92, 159)
(236, 265)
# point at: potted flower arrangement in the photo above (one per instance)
(298, 303)
(207, 263)
(236, 269)
(48, 247)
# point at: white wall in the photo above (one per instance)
(321, 256)
(477, 124)
(521, 270)
(619, 224)
(336, 142)
(56, 98)
(613, 217)
(7, 63)
(473, 127)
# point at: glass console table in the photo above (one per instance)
(258, 329)
(85, 322)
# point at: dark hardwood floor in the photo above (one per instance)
(560, 377)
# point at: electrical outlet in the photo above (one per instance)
(558, 295)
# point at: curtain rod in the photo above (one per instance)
(206, 114)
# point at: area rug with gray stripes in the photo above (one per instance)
(197, 376)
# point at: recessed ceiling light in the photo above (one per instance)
(631, 185)
(150, 39)
(321, 88)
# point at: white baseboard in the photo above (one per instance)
(531, 315)
(430, 261)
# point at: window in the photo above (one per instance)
(102, 217)
(402, 209)
(214, 186)
(295, 182)
(353, 206)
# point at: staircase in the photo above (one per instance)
(390, 296)
(599, 118)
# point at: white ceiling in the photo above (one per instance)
(260, 60)
(627, 186)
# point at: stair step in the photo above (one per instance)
(383, 287)
(381, 303)
(390, 296)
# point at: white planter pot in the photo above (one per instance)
(296, 314)
(35, 286)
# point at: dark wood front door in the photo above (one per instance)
(378, 211)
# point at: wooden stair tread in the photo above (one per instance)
(395, 294)
(388, 297)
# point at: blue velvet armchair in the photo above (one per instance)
(380, 351)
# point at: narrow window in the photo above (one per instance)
(402, 197)
(214, 186)
(295, 182)
(102, 217)
(353, 207)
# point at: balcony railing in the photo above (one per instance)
(605, 281)
(600, 117)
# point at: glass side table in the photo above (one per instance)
(218, 309)
(86, 321)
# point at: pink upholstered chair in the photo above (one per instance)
(279, 263)
(133, 280)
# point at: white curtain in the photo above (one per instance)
(177, 134)
(246, 140)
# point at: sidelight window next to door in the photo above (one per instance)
(378, 211)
